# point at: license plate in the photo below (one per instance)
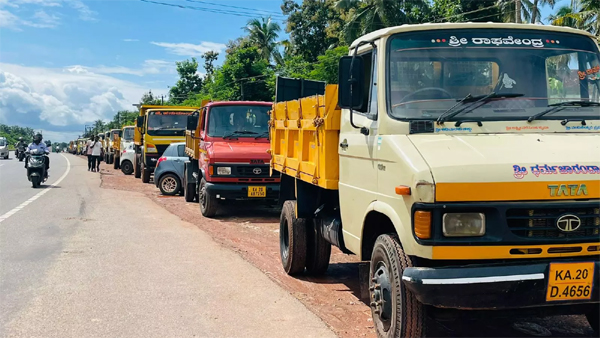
(257, 191)
(570, 281)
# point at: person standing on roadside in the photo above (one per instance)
(96, 154)
(88, 152)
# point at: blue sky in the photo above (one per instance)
(66, 63)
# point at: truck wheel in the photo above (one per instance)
(292, 239)
(127, 168)
(395, 310)
(169, 185)
(318, 250)
(593, 318)
(208, 202)
(138, 169)
(146, 176)
(189, 192)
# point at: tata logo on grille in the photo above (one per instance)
(568, 223)
(257, 171)
(257, 161)
(567, 190)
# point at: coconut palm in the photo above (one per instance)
(582, 14)
(263, 33)
(523, 10)
(365, 16)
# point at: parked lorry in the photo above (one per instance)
(109, 142)
(72, 147)
(462, 161)
(81, 146)
(156, 128)
(125, 139)
(227, 144)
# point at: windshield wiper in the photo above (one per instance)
(556, 107)
(240, 132)
(477, 101)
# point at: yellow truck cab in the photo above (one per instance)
(81, 146)
(156, 128)
(109, 144)
(462, 161)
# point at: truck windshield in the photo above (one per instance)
(430, 71)
(2, 142)
(238, 121)
(128, 134)
(167, 123)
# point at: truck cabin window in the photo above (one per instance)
(128, 134)
(167, 123)
(2, 142)
(430, 71)
(238, 121)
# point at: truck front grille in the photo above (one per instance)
(253, 171)
(542, 222)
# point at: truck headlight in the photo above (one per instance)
(223, 170)
(464, 224)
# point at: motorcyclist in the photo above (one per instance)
(20, 146)
(37, 144)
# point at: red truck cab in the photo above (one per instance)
(232, 138)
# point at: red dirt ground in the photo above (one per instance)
(335, 298)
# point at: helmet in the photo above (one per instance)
(20, 138)
(37, 138)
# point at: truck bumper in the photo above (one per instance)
(236, 191)
(488, 287)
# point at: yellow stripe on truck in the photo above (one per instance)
(515, 251)
(517, 191)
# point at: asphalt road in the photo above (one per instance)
(77, 260)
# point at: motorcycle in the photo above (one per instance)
(20, 153)
(36, 168)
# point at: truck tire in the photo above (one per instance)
(146, 175)
(396, 311)
(189, 189)
(292, 239)
(127, 167)
(137, 172)
(318, 250)
(593, 318)
(209, 204)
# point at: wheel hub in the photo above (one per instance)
(381, 296)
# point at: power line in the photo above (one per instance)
(237, 7)
(204, 9)
(474, 11)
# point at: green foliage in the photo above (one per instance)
(12, 134)
(209, 59)
(465, 10)
(326, 69)
(263, 35)
(149, 98)
(189, 83)
(313, 26)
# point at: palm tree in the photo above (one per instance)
(535, 13)
(365, 16)
(519, 11)
(264, 33)
(582, 14)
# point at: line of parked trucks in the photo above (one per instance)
(444, 157)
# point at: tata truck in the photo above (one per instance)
(125, 139)
(109, 141)
(227, 144)
(156, 128)
(462, 162)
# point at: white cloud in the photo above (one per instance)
(131, 40)
(148, 67)
(40, 18)
(61, 100)
(189, 49)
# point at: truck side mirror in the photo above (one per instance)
(140, 122)
(351, 82)
(192, 121)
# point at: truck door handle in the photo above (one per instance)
(344, 144)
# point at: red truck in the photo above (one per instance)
(227, 143)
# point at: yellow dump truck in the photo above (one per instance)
(72, 147)
(81, 146)
(109, 144)
(156, 128)
(462, 161)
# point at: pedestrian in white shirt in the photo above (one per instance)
(88, 151)
(96, 154)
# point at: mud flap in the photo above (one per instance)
(363, 280)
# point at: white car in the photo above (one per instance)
(126, 158)
(3, 148)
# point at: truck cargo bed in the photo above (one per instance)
(305, 138)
